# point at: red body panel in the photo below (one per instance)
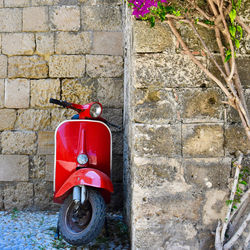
(75, 137)
(85, 176)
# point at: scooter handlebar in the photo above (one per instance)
(59, 102)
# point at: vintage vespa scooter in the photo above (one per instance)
(82, 170)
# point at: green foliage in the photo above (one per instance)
(239, 29)
(152, 21)
(160, 13)
(232, 15)
(232, 30)
(241, 185)
(208, 22)
(59, 244)
(228, 55)
(236, 31)
(178, 9)
(237, 43)
(229, 202)
(41, 248)
(14, 213)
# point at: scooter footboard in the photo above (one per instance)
(85, 176)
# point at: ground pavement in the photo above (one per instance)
(36, 230)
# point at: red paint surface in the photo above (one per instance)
(86, 137)
(85, 176)
(84, 110)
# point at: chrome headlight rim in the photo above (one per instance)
(82, 159)
(95, 110)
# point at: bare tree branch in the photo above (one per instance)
(213, 8)
(233, 88)
(225, 13)
(236, 177)
(227, 34)
(236, 236)
(234, 224)
(221, 48)
(207, 49)
(242, 200)
(247, 242)
(240, 93)
(184, 20)
(218, 243)
(203, 13)
(197, 62)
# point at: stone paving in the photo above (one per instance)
(36, 230)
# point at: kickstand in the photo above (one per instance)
(57, 234)
(106, 227)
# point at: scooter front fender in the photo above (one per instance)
(84, 176)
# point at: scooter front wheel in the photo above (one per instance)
(82, 225)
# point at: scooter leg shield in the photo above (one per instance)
(87, 177)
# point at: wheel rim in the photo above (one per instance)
(77, 221)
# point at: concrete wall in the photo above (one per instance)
(64, 49)
(180, 139)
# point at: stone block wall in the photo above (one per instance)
(180, 140)
(64, 49)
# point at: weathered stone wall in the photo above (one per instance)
(180, 140)
(64, 49)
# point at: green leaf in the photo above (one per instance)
(243, 182)
(239, 29)
(170, 9)
(162, 14)
(176, 13)
(208, 22)
(232, 15)
(232, 30)
(228, 202)
(237, 43)
(234, 207)
(163, 17)
(152, 21)
(238, 4)
(228, 55)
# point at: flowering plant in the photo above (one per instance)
(142, 7)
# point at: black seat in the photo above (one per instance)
(75, 117)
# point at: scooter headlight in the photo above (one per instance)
(95, 110)
(82, 159)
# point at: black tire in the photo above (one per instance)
(94, 210)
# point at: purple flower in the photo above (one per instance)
(142, 7)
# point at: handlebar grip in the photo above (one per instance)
(51, 100)
(59, 102)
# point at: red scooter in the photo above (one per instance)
(82, 172)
